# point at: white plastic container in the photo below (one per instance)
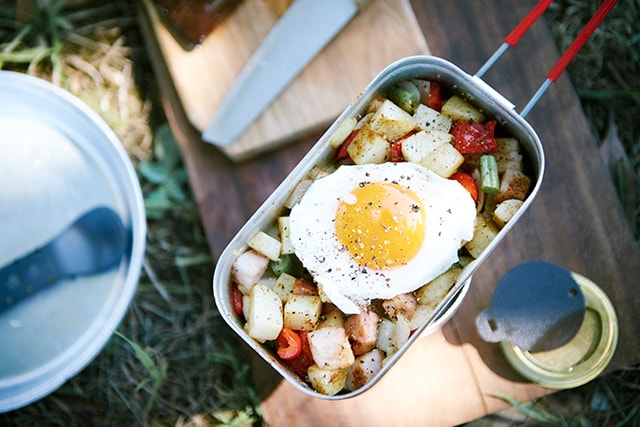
(52, 335)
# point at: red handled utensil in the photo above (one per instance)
(514, 37)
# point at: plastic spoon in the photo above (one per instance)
(94, 243)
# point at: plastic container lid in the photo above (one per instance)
(581, 359)
(67, 161)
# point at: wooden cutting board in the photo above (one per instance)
(386, 30)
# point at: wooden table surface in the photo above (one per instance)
(576, 220)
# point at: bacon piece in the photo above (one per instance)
(304, 287)
(362, 330)
(248, 268)
(330, 348)
(403, 304)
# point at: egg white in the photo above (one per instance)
(450, 217)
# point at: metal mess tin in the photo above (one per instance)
(448, 75)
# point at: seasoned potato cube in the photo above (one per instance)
(484, 232)
(364, 369)
(331, 316)
(343, 131)
(369, 146)
(417, 146)
(302, 312)
(505, 211)
(401, 332)
(266, 245)
(264, 320)
(508, 154)
(420, 316)
(283, 228)
(327, 381)
(459, 109)
(392, 334)
(284, 286)
(330, 348)
(245, 306)
(392, 121)
(248, 268)
(444, 160)
(433, 292)
(385, 331)
(429, 119)
(297, 193)
(514, 184)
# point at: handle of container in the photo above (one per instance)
(514, 37)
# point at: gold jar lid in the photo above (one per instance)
(581, 359)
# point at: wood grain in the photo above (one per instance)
(452, 376)
(380, 34)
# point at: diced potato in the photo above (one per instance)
(331, 316)
(401, 332)
(327, 381)
(483, 234)
(514, 184)
(506, 210)
(343, 131)
(248, 268)
(364, 369)
(429, 119)
(444, 160)
(392, 335)
(459, 109)
(369, 146)
(297, 193)
(508, 154)
(265, 319)
(245, 306)
(392, 121)
(417, 146)
(420, 316)
(302, 312)
(284, 286)
(433, 292)
(323, 295)
(283, 229)
(330, 348)
(373, 106)
(266, 245)
(385, 331)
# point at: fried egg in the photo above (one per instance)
(375, 231)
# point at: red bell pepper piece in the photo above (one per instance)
(342, 150)
(434, 99)
(396, 151)
(300, 364)
(396, 147)
(474, 138)
(288, 344)
(236, 299)
(467, 182)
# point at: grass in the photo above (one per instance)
(172, 360)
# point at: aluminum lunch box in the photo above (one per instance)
(478, 92)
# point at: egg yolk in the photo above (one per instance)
(381, 224)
